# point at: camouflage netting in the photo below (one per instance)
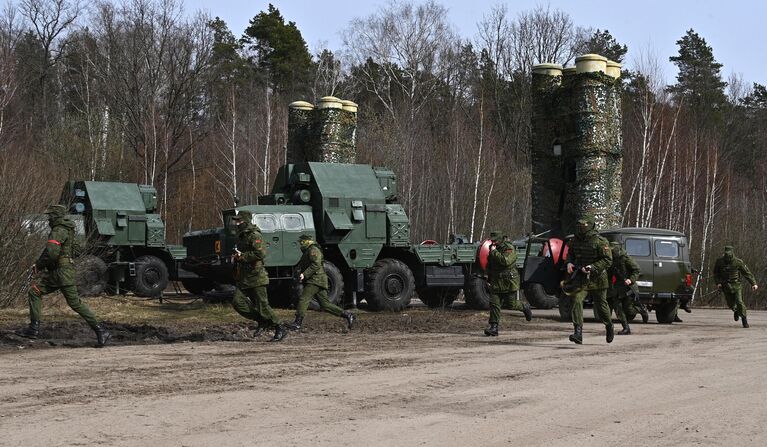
(299, 119)
(584, 114)
(547, 181)
(326, 133)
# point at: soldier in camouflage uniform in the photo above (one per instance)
(56, 271)
(250, 298)
(728, 271)
(589, 257)
(623, 275)
(315, 282)
(504, 282)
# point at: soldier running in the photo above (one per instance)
(250, 298)
(56, 271)
(623, 274)
(315, 282)
(504, 282)
(590, 254)
(728, 271)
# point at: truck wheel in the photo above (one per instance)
(389, 285)
(151, 276)
(477, 293)
(565, 308)
(335, 284)
(90, 275)
(665, 313)
(537, 297)
(198, 286)
(438, 297)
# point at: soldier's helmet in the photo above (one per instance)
(587, 219)
(304, 241)
(616, 248)
(496, 236)
(56, 211)
(729, 250)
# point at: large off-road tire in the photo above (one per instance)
(389, 285)
(90, 275)
(477, 293)
(151, 276)
(198, 286)
(537, 297)
(438, 297)
(565, 308)
(665, 312)
(335, 286)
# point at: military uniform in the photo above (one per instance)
(504, 282)
(315, 284)
(728, 271)
(250, 298)
(621, 294)
(590, 254)
(57, 272)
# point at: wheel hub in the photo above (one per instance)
(393, 285)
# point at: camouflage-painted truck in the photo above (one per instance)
(352, 212)
(124, 247)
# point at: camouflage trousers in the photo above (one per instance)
(37, 291)
(624, 306)
(311, 291)
(599, 298)
(734, 298)
(253, 304)
(498, 301)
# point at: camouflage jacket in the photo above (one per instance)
(594, 250)
(56, 258)
(730, 271)
(311, 266)
(250, 271)
(502, 269)
(623, 268)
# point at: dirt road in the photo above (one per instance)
(701, 382)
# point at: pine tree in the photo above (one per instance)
(699, 84)
(602, 42)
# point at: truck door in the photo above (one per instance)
(668, 265)
(270, 229)
(640, 250)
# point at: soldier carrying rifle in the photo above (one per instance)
(623, 275)
(54, 270)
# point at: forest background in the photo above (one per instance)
(143, 91)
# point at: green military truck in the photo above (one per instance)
(663, 256)
(124, 247)
(352, 212)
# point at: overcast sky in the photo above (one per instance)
(732, 28)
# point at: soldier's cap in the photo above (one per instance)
(615, 244)
(728, 249)
(304, 237)
(243, 215)
(56, 210)
(496, 235)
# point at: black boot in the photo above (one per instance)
(350, 319)
(102, 336)
(279, 333)
(645, 315)
(492, 331)
(526, 310)
(685, 307)
(744, 321)
(258, 330)
(626, 329)
(31, 331)
(610, 333)
(296, 324)
(736, 316)
(577, 336)
(677, 319)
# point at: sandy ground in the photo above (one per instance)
(696, 383)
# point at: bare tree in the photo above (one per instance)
(10, 33)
